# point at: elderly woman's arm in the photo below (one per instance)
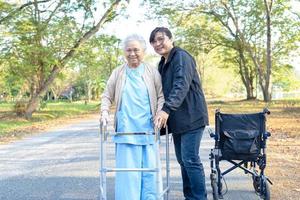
(108, 97)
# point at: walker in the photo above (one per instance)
(104, 134)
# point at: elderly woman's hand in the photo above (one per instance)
(161, 119)
(104, 118)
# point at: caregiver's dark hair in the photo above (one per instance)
(162, 30)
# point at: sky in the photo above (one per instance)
(136, 23)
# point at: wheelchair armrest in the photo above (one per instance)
(211, 132)
(212, 135)
(266, 111)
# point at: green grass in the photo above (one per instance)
(62, 109)
(284, 118)
(9, 122)
(5, 107)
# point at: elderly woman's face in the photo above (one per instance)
(134, 53)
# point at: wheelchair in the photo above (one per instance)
(240, 139)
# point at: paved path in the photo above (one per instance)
(63, 165)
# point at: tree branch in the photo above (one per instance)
(90, 33)
(58, 67)
(52, 14)
(11, 14)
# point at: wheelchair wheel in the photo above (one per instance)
(256, 183)
(261, 186)
(215, 190)
(214, 186)
(265, 194)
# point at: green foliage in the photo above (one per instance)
(285, 78)
(94, 62)
(202, 26)
(54, 110)
(37, 37)
(219, 80)
(36, 42)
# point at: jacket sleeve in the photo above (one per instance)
(183, 72)
(109, 93)
(159, 92)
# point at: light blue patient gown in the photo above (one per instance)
(135, 151)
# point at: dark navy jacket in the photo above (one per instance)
(184, 98)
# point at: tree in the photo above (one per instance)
(209, 35)
(44, 36)
(201, 30)
(234, 17)
(248, 25)
(252, 23)
(264, 71)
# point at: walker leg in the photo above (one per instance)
(102, 162)
(167, 163)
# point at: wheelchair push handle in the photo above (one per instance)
(211, 132)
(266, 111)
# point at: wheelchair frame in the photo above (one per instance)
(260, 181)
(104, 170)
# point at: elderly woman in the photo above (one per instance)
(136, 89)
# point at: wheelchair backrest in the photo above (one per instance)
(253, 121)
(240, 136)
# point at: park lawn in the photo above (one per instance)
(52, 114)
(283, 147)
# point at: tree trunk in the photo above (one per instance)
(264, 77)
(268, 86)
(250, 92)
(248, 83)
(54, 95)
(32, 106)
(266, 94)
(71, 97)
(245, 71)
(40, 92)
(48, 96)
(88, 91)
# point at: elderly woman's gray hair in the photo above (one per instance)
(135, 37)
